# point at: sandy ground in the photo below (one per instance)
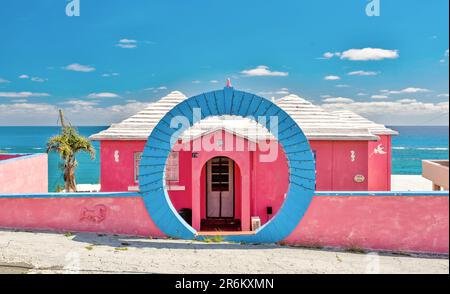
(410, 183)
(27, 252)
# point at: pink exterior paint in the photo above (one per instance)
(392, 223)
(379, 173)
(336, 168)
(117, 165)
(126, 216)
(9, 156)
(339, 164)
(255, 188)
(406, 224)
(23, 174)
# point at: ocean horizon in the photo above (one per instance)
(414, 144)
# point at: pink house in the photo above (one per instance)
(232, 170)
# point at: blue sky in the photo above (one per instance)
(118, 55)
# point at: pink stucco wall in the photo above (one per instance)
(379, 172)
(393, 223)
(23, 174)
(256, 187)
(406, 224)
(337, 163)
(102, 215)
(117, 164)
(263, 188)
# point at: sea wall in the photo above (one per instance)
(23, 173)
(401, 222)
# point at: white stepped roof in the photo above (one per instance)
(317, 123)
(357, 120)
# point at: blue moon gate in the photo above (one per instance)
(228, 101)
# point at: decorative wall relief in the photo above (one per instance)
(95, 215)
(359, 178)
(379, 150)
(353, 156)
(116, 156)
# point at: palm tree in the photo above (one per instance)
(68, 144)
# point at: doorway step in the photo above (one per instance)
(220, 224)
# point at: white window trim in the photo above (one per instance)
(136, 165)
(176, 166)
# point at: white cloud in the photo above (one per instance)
(127, 44)
(214, 81)
(369, 54)
(332, 78)
(410, 90)
(397, 112)
(33, 79)
(443, 95)
(38, 79)
(379, 97)
(362, 73)
(338, 100)
(328, 55)
(282, 91)
(103, 95)
(3, 81)
(78, 113)
(407, 101)
(325, 96)
(196, 82)
(343, 86)
(79, 67)
(80, 103)
(22, 94)
(107, 75)
(446, 54)
(156, 90)
(388, 112)
(263, 71)
(362, 94)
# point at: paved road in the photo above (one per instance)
(26, 252)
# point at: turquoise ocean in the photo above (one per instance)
(414, 144)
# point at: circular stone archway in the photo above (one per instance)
(228, 101)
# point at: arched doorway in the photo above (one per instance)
(220, 195)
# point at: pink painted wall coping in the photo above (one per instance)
(401, 222)
(10, 156)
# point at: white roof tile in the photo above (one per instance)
(354, 119)
(316, 123)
